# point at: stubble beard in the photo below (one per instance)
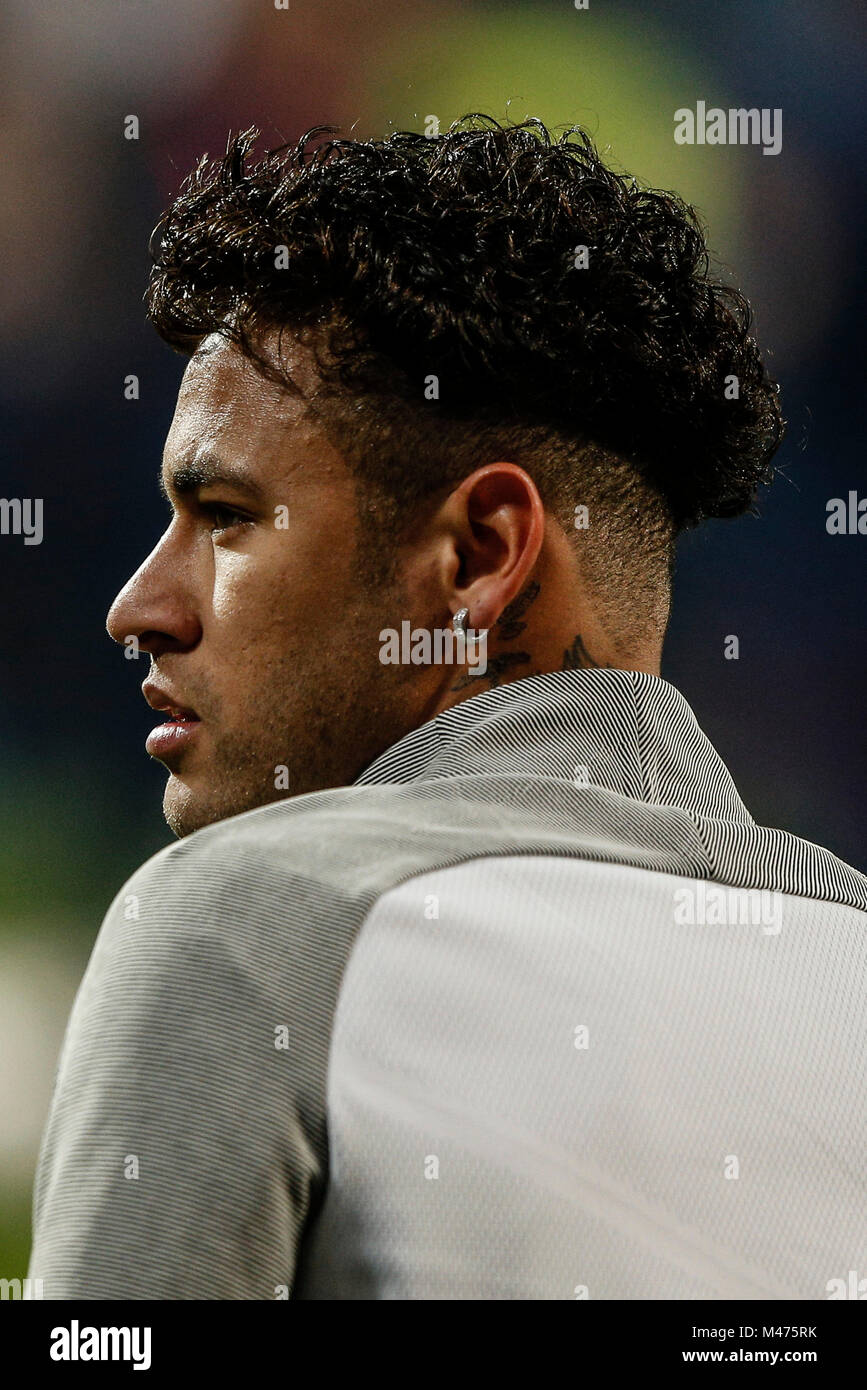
(329, 713)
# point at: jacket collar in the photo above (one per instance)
(626, 731)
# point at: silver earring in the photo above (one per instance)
(459, 624)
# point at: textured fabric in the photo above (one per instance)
(238, 1115)
(551, 1088)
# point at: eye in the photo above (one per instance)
(222, 516)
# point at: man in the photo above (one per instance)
(470, 975)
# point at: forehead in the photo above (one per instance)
(226, 407)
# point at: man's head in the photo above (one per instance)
(476, 371)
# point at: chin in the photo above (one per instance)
(184, 810)
(187, 809)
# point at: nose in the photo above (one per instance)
(157, 606)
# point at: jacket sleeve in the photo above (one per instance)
(185, 1147)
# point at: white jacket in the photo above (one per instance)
(533, 1010)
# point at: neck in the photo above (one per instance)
(532, 637)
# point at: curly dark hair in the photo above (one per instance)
(607, 373)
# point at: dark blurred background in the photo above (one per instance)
(82, 803)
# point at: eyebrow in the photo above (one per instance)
(206, 470)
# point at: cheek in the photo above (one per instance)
(266, 588)
(234, 597)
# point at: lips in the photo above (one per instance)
(165, 702)
(178, 715)
(170, 742)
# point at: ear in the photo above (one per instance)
(494, 523)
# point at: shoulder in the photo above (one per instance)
(252, 905)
